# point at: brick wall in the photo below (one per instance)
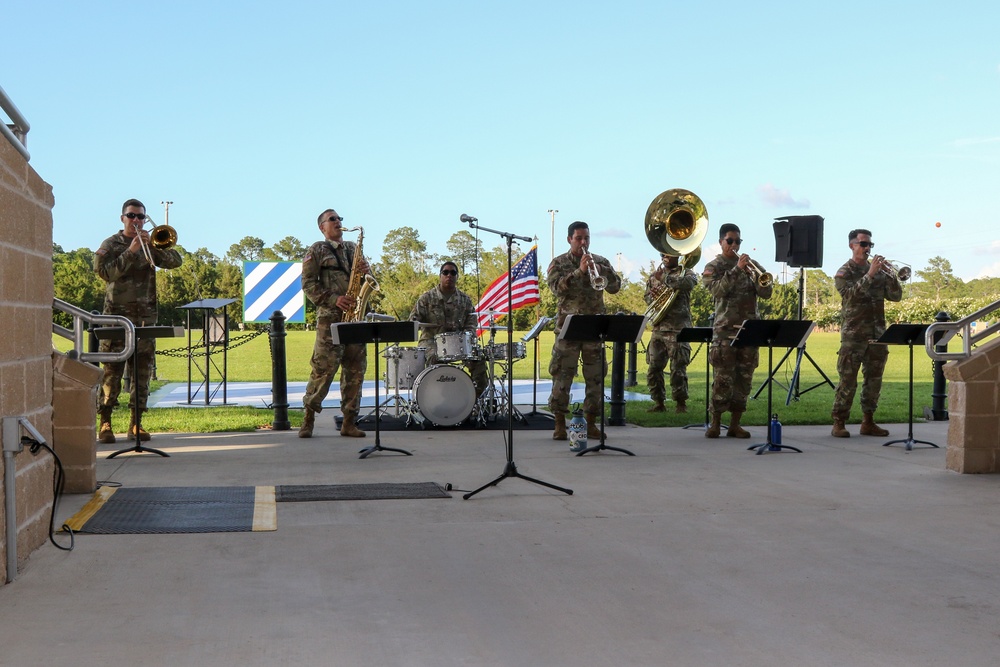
(974, 411)
(26, 289)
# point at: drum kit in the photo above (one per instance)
(443, 394)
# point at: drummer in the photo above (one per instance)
(448, 310)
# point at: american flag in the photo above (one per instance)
(524, 289)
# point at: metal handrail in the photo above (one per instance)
(16, 133)
(947, 331)
(76, 334)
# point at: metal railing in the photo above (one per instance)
(963, 327)
(17, 132)
(77, 334)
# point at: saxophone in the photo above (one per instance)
(361, 285)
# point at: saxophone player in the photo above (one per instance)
(673, 278)
(326, 275)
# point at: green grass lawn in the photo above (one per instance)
(250, 361)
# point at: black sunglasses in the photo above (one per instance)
(732, 241)
(449, 272)
(334, 217)
(865, 244)
(133, 216)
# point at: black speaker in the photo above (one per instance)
(799, 240)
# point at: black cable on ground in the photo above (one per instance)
(59, 483)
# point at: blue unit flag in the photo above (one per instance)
(271, 286)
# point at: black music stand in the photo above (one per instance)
(700, 335)
(603, 328)
(772, 333)
(533, 336)
(362, 333)
(118, 333)
(906, 334)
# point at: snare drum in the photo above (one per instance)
(404, 365)
(456, 346)
(498, 351)
(445, 395)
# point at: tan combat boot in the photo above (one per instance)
(350, 429)
(735, 430)
(839, 430)
(308, 422)
(559, 432)
(869, 427)
(106, 434)
(593, 432)
(657, 407)
(715, 427)
(681, 408)
(143, 434)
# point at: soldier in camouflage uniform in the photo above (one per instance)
(863, 288)
(446, 309)
(326, 275)
(569, 279)
(131, 291)
(735, 293)
(663, 345)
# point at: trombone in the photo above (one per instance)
(161, 237)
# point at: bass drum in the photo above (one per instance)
(445, 395)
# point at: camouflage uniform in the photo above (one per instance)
(735, 294)
(862, 308)
(447, 313)
(326, 275)
(575, 296)
(130, 291)
(663, 345)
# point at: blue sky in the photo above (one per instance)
(254, 117)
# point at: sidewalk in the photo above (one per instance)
(691, 552)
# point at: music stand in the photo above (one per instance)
(699, 335)
(118, 333)
(906, 334)
(362, 333)
(602, 328)
(533, 336)
(772, 333)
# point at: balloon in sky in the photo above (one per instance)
(937, 224)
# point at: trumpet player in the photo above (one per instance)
(663, 346)
(575, 279)
(736, 283)
(326, 276)
(864, 287)
(122, 263)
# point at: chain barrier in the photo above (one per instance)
(200, 351)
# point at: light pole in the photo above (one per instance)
(552, 212)
(166, 211)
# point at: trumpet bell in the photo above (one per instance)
(676, 222)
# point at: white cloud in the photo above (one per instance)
(776, 197)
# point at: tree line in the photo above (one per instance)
(406, 269)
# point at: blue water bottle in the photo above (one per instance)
(775, 430)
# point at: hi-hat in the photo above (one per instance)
(489, 312)
(494, 327)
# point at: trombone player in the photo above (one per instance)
(668, 295)
(864, 287)
(736, 282)
(127, 262)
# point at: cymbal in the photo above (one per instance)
(489, 311)
(494, 327)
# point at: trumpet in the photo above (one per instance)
(889, 269)
(597, 281)
(161, 237)
(758, 273)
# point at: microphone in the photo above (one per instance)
(468, 218)
(379, 317)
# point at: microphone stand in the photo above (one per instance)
(510, 470)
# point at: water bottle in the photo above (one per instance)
(775, 430)
(577, 428)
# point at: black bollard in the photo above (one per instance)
(617, 416)
(939, 392)
(630, 380)
(279, 373)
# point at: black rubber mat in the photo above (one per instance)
(292, 493)
(152, 510)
